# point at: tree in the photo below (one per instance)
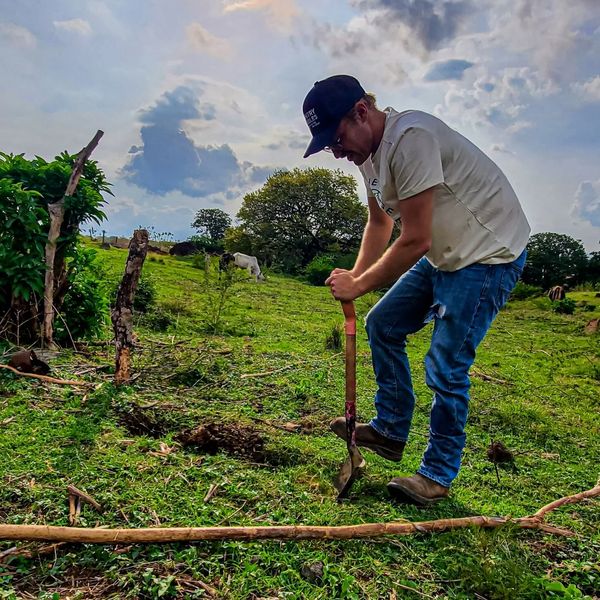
(27, 187)
(212, 222)
(299, 214)
(553, 259)
(593, 270)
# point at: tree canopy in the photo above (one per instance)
(554, 259)
(212, 222)
(297, 215)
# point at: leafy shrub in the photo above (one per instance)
(145, 295)
(157, 319)
(178, 307)
(199, 261)
(587, 286)
(27, 187)
(206, 244)
(219, 289)
(522, 291)
(319, 268)
(85, 311)
(565, 307)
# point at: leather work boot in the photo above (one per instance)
(417, 490)
(367, 437)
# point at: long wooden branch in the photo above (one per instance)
(45, 377)
(57, 212)
(367, 530)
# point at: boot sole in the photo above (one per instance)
(408, 496)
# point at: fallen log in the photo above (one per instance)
(368, 530)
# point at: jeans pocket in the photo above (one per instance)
(508, 279)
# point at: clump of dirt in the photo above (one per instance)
(236, 440)
(497, 452)
(144, 421)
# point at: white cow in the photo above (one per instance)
(248, 262)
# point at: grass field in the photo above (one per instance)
(536, 388)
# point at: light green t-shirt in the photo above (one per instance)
(477, 217)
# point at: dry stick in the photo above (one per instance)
(45, 377)
(367, 530)
(211, 492)
(73, 501)
(486, 377)
(57, 213)
(26, 553)
(83, 496)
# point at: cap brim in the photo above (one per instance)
(319, 141)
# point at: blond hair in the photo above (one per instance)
(371, 101)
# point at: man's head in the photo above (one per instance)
(336, 110)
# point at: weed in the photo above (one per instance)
(333, 340)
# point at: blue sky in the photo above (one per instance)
(200, 100)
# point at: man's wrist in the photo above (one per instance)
(362, 284)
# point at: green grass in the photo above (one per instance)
(543, 403)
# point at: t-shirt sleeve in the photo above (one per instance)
(366, 170)
(416, 164)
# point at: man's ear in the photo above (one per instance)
(361, 110)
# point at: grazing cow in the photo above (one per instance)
(243, 261)
(557, 292)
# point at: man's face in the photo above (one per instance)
(353, 140)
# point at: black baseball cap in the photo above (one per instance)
(326, 105)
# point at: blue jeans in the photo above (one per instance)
(462, 304)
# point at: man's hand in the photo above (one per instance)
(343, 284)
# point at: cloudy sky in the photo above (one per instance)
(200, 99)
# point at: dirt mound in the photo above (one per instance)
(144, 421)
(237, 440)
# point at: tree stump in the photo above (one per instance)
(122, 314)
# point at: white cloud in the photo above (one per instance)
(551, 34)
(16, 35)
(78, 26)
(587, 202)
(204, 41)
(496, 100)
(588, 90)
(103, 17)
(501, 148)
(282, 13)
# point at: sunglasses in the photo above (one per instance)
(336, 145)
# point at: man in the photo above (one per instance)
(459, 254)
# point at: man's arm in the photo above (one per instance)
(376, 237)
(413, 243)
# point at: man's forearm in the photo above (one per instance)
(399, 258)
(374, 242)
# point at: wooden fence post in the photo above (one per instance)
(122, 314)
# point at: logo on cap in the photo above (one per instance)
(312, 120)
